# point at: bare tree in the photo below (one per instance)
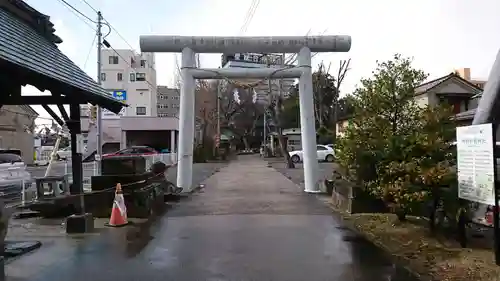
(341, 73)
(205, 101)
(276, 110)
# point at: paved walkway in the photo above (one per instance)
(249, 223)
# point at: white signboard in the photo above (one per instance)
(119, 95)
(475, 163)
(106, 114)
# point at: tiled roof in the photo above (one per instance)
(22, 45)
(422, 88)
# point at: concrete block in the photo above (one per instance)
(81, 223)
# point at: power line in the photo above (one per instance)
(90, 51)
(73, 9)
(130, 65)
(252, 4)
(108, 23)
(249, 16)
(106, 43)
(118, 33)
(90, 6)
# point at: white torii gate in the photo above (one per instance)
(188, 46)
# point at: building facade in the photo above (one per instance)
(452, 89)
(130, 77)
(168, 102)
(17, 123)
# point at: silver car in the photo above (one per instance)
(13, 176)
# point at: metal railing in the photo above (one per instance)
(25, 190)
(90, 168)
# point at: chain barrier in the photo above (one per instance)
(93, 192)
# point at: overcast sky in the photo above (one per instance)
(441, 35)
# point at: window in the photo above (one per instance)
(10, 158)
(103, 76)
(126, 151)
(175, 97)
(320, 147)
(142, 150)
(113, 59)
(175, 105)
(143, 63)
(140, 76)
(140, 110)
(119, 76)
(132, 77)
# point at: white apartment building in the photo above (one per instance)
(130, 76)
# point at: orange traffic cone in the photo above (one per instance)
(119, 211)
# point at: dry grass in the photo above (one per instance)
(414, 247)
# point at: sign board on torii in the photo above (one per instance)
(189, 45)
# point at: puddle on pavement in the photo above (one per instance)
(372, 261)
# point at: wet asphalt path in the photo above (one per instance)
(249, 223)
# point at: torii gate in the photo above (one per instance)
(188, 46)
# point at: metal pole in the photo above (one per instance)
(218, 114)
(496, 215)
(99, 110)
(265, 118)
(269, 85)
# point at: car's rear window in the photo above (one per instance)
(10, 158)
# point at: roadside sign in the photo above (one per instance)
(475, 163)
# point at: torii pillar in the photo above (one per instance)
(189, 45)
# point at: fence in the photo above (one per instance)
(90, 168)
(25, 190)
(43, 157)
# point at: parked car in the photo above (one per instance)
(323, 153)
(133, 150)
(64, 153)
(13, 174)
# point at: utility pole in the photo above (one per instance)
(265, 116)
(218, 114)
(99, 110)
